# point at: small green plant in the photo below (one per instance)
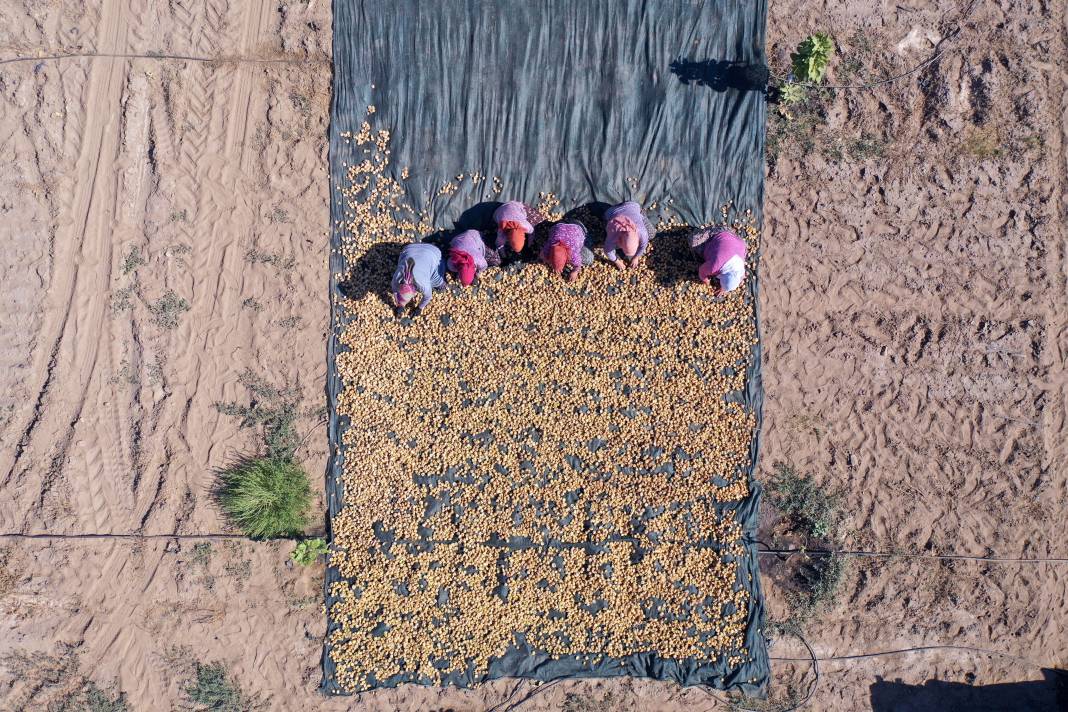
(290, 322)
(982, 144)
(307, 552)
(212, 690)
(88, 697)
(809, 62)
(815, 513)
(98, 700)
(575, 702)
(819, 579)
(202, 553)
(278, 260)
(267, 498)
(166, 310)
(811, 509)
(133, 260)
(867, 146)
(122, 299)
(791, 93)
(274, 409)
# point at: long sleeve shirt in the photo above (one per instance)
(571, 236)
(470, 241)
(426, 273)
(633, 211)
(724, 258)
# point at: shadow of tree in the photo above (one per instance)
(1051, 693)
(722, 74)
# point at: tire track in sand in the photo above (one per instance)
(218, 213)
(76, 300)
(179, 131)
(220, 115)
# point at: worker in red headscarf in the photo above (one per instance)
(467, 256)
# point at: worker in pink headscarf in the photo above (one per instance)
(467, 256)
(722, 255)
(626, 234)
(567, 250)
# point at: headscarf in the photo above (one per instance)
(405, 289)
(625, 233)
(463, 264)
(515, 235)
(558, 257)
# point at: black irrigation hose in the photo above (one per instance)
(767, 550)
(180, 57)
(923, 648)
(812, 658)
(122, 536)
(892, 555)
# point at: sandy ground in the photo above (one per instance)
(164, 233)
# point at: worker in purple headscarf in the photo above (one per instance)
(567, 250)
(467, 256)
(627, 234)
(722, 255)
(420, 271)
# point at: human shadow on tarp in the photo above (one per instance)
(372, 272)
(590, 216)
(478, 217)
(722, 74)
(1050, 693)
(670, 258)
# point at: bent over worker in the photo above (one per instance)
(513, 227)
(626, 234)
(467, 256)
(419, 271)
(722, 255)
(567, 250)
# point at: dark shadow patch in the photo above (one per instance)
(478, 217)
(1050, 693)
(590, 216)
(722, 74)
(372, 273)
(671, 260)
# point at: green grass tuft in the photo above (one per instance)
(811, 510)
(212, 690)
(267, 498)
(97, 700)
(166, 310)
